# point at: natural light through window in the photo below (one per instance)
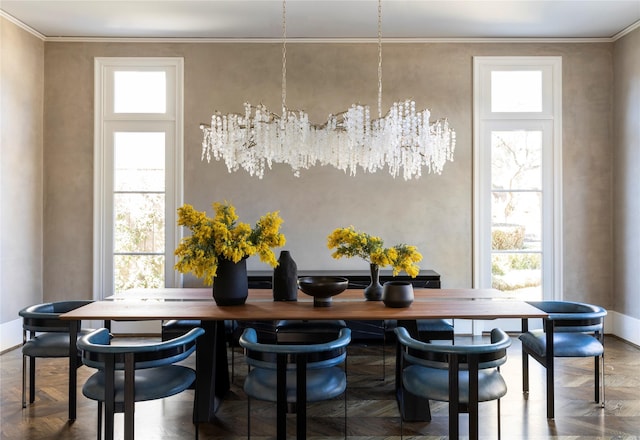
(140, 92)
(139, 206)
(517, 176)
(516, 91)
(516, 211)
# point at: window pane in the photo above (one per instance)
(516, 160)
(139, 161)
(139, 222)
(140, 92)
(138, 271)
(516, 91)
(520, 273)
(516, 221)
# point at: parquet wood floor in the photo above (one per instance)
(372, 411)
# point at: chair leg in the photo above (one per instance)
(248, 417)
(596, 384)
(384, 351)
(99, 420)
(233, 363)
(32, 379)
(525, 374)
(24, 381)
(499, 427)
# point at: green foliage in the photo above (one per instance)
(507, 238)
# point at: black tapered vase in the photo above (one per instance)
(285, 278)
(373, 292)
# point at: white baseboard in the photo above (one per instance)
(10, 334)
(623, 326)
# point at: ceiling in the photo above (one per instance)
(325, 19)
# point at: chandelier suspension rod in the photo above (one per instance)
(379, 59)
(284, 57)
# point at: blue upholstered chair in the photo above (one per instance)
(292, 374)
(134, 373)
(578, 331)
(45, 335)
(462, 375)
(428, 330)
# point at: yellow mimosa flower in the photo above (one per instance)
(224, 237)
(348, 243)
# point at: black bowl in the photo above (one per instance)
(322, 288)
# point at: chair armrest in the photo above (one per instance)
(499, 341)
(96, 350)
(249, 340)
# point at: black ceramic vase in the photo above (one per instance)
(285, 278)
(373, 292)
(397, 294)
(231, 285)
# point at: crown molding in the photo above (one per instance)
(44, 38)
(21, 25)
(325, 40)
(626, 31)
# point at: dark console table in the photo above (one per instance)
(358, 279)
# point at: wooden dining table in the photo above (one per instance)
(211, 360)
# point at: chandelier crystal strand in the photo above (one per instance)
(403, 140)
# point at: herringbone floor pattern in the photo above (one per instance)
(371, 408)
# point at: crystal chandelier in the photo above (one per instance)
(404, 140)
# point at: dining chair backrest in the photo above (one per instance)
(578, 331)
(46, 317)
(462, 375)
(96, 350)
(571, 316)
(45, 335)
(324, 355)
(294, 374)
(489, 355)
(129, 373)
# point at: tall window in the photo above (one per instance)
(517, 181)
(138, 172)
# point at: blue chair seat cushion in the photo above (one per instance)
(322, 384)
(564, 344)
(150, 383)
(433, 383)
(53, 344)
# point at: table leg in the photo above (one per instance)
(73, 368)
(412, 408)
(212, 372)
(548, 329)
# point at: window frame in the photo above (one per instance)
(106, 122)
(550, 121)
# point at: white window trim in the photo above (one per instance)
(553, 246)
(102, 234)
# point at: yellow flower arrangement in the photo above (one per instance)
(221, 237)
(347, 242)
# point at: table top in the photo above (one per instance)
(350, 305)
(205, 294)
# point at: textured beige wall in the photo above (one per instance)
(626, 174)
(21, 106)
(434, 213)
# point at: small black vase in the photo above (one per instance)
(373, 292)
(397, 294)
(231, 284)
(285, 278)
